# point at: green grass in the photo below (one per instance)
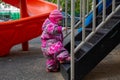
(0, 1)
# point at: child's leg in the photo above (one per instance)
(63, 57)
(52, 65)
(59, 52)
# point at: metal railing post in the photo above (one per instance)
(83, 20)
(113, 5)
(104, 10)
(94, 15)
(58, 3)
(87, 6)
(80, 9)
(72, 39)
(66, 17)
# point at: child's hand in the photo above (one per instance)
(64, 28)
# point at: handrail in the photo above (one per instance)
(80, 21)
(97, 28)
(83, 16)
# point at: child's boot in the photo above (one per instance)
(67, 60)
(52, 65)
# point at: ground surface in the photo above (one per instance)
(30, 65)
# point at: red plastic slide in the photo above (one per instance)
(24, 29)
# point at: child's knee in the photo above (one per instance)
(63, 56)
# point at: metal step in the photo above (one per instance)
(89, 55)
(103, 43)
(65, 70)
(89, 60)
(100, 31)
(84, 49)
(66, 41)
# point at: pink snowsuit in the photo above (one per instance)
(52, 42)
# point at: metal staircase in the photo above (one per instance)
(97, 47)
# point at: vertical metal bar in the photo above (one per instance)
(87, 6)
(83, 20)
(72, 39)
(94, 15)
(66, 17)
(104, 10)
(113, 5)
(58, 3)
(80, 9)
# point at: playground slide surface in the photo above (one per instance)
(34, 7)
(24, 29)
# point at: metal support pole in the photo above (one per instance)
(94, 15)
(80, 9)
(66, 17)
(58, 3)
(72, 39)
(83, 20)
(104, 10)
(87, 6)
(113, 5)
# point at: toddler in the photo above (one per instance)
(52, 42)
